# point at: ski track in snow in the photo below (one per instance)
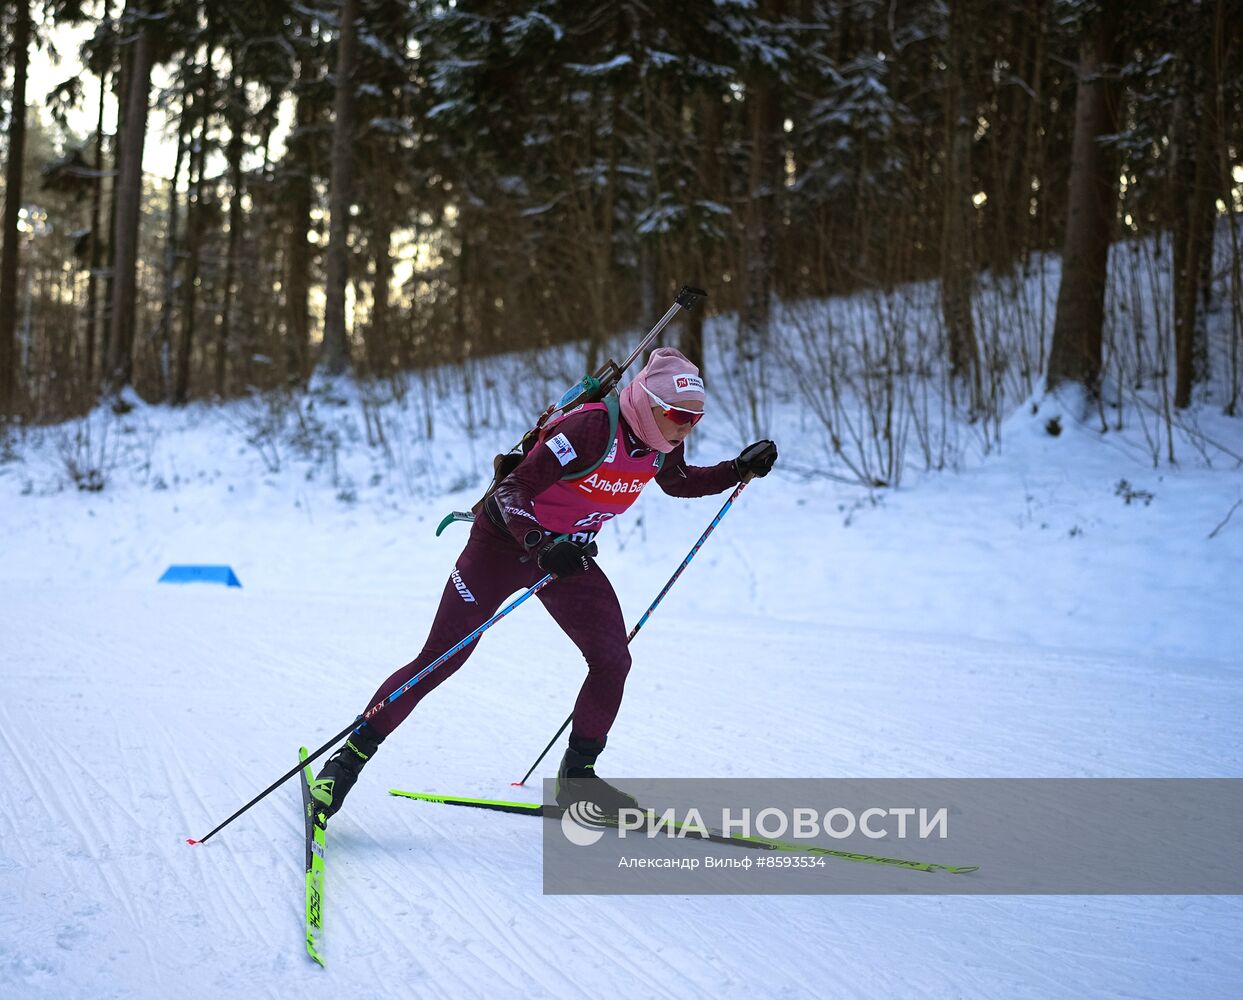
(135, 717)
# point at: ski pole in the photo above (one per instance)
(382, 704)
(646, 615)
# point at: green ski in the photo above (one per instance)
(314, 864)
(759, 843)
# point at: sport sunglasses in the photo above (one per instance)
(678, 414)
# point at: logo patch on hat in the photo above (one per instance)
(561, 447)
(688, 383)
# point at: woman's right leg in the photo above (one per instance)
(488, 570)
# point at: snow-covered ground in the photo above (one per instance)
(1018, 618)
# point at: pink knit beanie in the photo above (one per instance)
(670, 376)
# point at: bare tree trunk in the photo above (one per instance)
(97, 240)
(691, 343)
(763, 187)
(185, 130)
(379, 346)
(12, 203)
(120, 86)
(129, 211)
(257, 327)
(602, 249)
(298, 253)
(647, 280)
(1075, 355)
(1194, 226)
(297, 283)
(335, 355)
(194, 229)
(758, 264)
(1223, 46)
(709, 110)
(1031, 161)
(957, 243)
(233, 156)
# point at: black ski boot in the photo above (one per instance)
(337, 777)
(577, 780)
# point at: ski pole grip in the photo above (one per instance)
(690, 297)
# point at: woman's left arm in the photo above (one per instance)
(681, 480)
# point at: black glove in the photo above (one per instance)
(755, 460)
(565, 558)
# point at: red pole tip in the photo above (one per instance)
(191, 840)
(517, 784)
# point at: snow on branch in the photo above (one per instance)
(600, 69)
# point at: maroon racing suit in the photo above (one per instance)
(499, 559)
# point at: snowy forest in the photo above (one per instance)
(379, 186)
(279, 278)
